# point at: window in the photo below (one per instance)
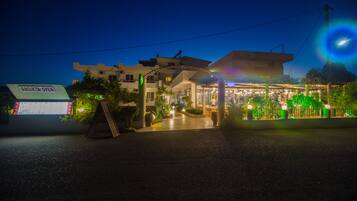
(168, 78)
(101, 72)
(112, 78)
(150, 79)
(129, 78)
(171, 64)
(150, 96)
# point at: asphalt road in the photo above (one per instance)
(191, 165)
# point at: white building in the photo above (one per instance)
(158, 71)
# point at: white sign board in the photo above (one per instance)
(43, 108)
(38, 89)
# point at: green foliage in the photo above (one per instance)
(116, 95)
(187, 101)
(344, 98)
(85, 106)
(304, 102)
(6, 104)
(90, 91)
(195, 111)
(126, 116)
(89, 84)
(263, 107)
(314, 76)
(331, 73)
(162, 109)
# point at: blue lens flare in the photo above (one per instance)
(338, 42)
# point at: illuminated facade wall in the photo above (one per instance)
(43, 108)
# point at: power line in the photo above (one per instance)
(243, 28)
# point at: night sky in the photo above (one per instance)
(36, 27)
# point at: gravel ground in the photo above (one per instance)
(185, 165)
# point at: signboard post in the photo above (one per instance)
(112, 125)
(103, 123)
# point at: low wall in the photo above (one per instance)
(40, 125)
(294, 123)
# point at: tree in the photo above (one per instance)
(337, 74)
(161, 108)
(331, 73)
(90, 91)
(285, 79)
(314, 76)
(344, 98)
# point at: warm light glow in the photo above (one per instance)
(250, 107)
(327, 106)
(80, 109)
(284, 107)
(342, 42)
(183, 110)
(43, 108)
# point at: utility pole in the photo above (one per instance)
(327, 15)
(327, 18)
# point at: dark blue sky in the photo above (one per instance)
(29, 27)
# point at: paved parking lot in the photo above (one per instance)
(183, 165)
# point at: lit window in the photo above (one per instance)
(112, 77)
(129, 78)
(150, 96)
(168, 78)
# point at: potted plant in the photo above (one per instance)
(214, 118)
(149, 118)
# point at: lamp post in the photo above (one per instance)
(284, 112)
(142, 100)
(326, 111)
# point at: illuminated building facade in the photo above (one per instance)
(241, 74)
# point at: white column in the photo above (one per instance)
(203, 101)
(194, 94)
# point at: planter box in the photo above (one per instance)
(193, 115)
(293, 123)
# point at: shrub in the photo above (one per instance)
(149, 119)
(125, 116)
(195, 111)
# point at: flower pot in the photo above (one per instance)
(214, 118)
